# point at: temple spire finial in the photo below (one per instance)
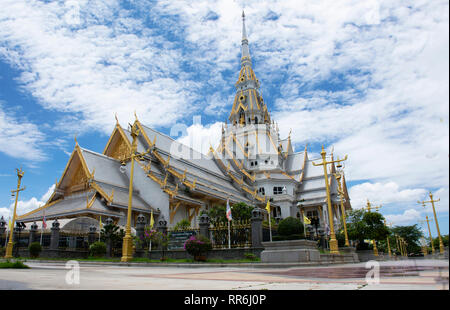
(245, 48)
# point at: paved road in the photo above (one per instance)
(397, 275)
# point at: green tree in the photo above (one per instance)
(375, 228)
(355, 228)
(411, 234)
(239, 211)
(444, 241)
(362, 225)
(115, 232)
(217, 214)
(290, 226)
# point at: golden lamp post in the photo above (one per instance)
(429, 232)
(441, 244)
(127, 245)
(338, 177)
(387, 239)
(405, 247)
(399, 247)
(9, 247)
(333, 242)
(402, 246)
(370, 207)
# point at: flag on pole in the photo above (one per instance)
(270, 221)
(44, 223)
(268, 206)
(306, 220)
(152, 221)
(9, 225)
(229, 217)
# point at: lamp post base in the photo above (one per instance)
(334, 246)
(375, 250)
(9, 250)
(127, 249)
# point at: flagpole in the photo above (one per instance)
(270, 228)
(7, 235)
(7, 228)
(42, 226)
(42, 229)
(229, 234)
(304, 227)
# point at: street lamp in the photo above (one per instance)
(339, 176)
(441, 244)
(370, 207)
(9, 247)
(333, 242)
(387, 239)
(127, 246)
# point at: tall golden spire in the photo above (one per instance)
(248, 106)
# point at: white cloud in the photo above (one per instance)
(383, 193)
(108, 63)
(20, 138)
(369, 77)
(200, 138)
(25, 206)
(408, 217)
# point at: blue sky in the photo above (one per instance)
(368, 78)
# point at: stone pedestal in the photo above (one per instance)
(108, 222)
(204, 225)
(290, 251)
(257, 229)
(54, 241)
(33, 233)
(2, 227)
(140, 228)
(92, 236)
(162, 225)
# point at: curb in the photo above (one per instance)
(188, 265)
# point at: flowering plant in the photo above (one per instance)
(197, 245)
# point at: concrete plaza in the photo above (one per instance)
(393, 275)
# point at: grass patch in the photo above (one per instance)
(14, 265)
(147, 260)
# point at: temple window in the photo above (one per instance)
(277, 190)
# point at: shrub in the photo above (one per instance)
(250, 256)
(97, 249)
(35, 249)
(290, 226)
(15, 265)
(182, 225)
(197, 245)
(2, 251)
